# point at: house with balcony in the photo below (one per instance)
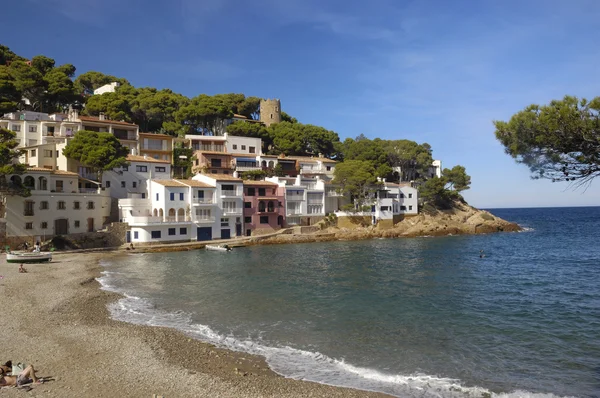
(59, 204)
(35, 128)
(304, 199)
(172, 211)
(125, 132)
(264, 207)
(314, 166)
(133, 178)
(211, 154)
(229, 203)
(156, 146)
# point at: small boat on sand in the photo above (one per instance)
(28, 257)
(218, 248)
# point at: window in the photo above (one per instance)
(157, 197)
(136, 235)
(44, 205)
(134, 184)
(125, 168)
(401, 196)
(251, 191)
(410, 207)
(247, 205)
(47, 153)
(243, 147)
(172, 196)
(28, 225)
(141, 169)
(224, 222)
(172, 231)
(160, 169)
(44, 225)
(50, 129)
(61, 205)
(57, 154)
(264, 219)
(76, 205)
(122, 184)
(215, 163)
(261, 192)
(16, 127)
(410, 195)
(403, 208)
(90, 205)
(180, 195)
(33, 153)
(203, 214)
(247, 220)
(155, 234)
(143, 195)
(234, 146)
(28, 211)
(107, 184)
(229, 207)
(385, 208)
(251, 149)
(328, 168)
(77, 224)
(182, 231)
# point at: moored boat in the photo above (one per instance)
(28, 257)
(218, 248)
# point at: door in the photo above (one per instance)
(61, 226)
(238, 229)
(225, 234)
(204, 233)
(128, 237)
(90, 224)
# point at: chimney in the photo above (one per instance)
(101, 116)
(134, 151)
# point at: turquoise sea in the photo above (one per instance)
(418, 317)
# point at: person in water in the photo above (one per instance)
(481, 254)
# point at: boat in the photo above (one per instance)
(218, 248)
(28, 257)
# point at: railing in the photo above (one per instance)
(334, 194)
(232, 212)
(202, 201)
(227, 192)
(28, 213)
(88, 190)
(294, 198)
(247, 168)
(204, 220)
(309, 170)
(176, 219)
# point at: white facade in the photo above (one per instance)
(107, 88)
(304, 197)
(243, 145)
(229, 203)
(34, 128)
(57, 205)
(133, 179)
(436, 169)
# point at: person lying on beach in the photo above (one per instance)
(25, 377)
(6, 368)
(22, 269)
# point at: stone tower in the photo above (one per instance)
(270, 111)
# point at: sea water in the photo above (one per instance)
(418, 317)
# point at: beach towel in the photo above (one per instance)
(18, 368)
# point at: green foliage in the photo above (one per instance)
(356, 178)
(28, 81)
(9, 95)
(249, 107)
(115, 106)
(42, 63)
(296, 139)
(98, 151)
(6, 55)
(434, 192)
(204, 114)
(8, 156)
(60, 90)
(457, 178)
(287, 118)
(183, 166)
(413, 159)
(254, 175)
(559, 141)
(154, 110)
(246, 129)
(89, 81)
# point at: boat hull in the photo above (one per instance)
(217, 248)
(28, 257)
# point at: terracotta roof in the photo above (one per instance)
(223, 177)
(262, 183)
(391, 184)
(157, 135)
(58, 172)
(65, 173)
(310, 158)
(137, 158)
(268, 156)
(95, 119)
(39, 169)
(195, 183)
(169, 183)
(268, 198)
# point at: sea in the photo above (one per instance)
(411, 317)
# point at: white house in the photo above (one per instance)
(304, 198)
(436, 169)
(107, 88)
(59, 205)
(132, 179)
(172, 210)
(243, 145)
(34, 128)
(230, 201)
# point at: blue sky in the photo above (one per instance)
(431, 71)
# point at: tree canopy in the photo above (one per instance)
(8, 165)
(559, 141)
(457, 178)
(98, 151)
(356, 178)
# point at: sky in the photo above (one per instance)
(433, 71)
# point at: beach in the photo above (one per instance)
(55, 317)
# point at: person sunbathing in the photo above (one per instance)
(25, 377)
(22, 269)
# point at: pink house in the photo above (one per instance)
(264, 207)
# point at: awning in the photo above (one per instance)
(92, 181)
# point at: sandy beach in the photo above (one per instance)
(55, 317)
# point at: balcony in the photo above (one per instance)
(227, 193)
(89, 190)
(232, 212)
(202, 201)
(156, 220)
(334, 194)
(208, 220)
(248, 168)
(294, 198)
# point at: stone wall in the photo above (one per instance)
(385, 224)
(352, 222)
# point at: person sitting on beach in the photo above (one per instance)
(22, 269)
(7, 367)
(25, 377)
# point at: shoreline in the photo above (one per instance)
(57, 318)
